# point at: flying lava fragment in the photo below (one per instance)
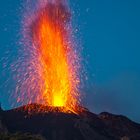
(48, 73)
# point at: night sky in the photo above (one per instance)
(109, 33)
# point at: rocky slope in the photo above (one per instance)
(55, 125)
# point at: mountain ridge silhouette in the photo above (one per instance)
(53, 124)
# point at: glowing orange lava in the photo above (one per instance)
(47, 70)
(51, 38)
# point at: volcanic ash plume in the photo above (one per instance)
(48, 72)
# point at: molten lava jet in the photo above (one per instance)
(51, 76)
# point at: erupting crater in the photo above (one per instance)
(52, 73)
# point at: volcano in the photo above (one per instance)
(53, 124)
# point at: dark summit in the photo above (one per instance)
(55, 125)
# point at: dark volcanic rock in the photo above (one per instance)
(3, 129)
(55, 125)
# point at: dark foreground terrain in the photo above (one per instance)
(18, 124)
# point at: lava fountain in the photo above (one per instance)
(52, 64)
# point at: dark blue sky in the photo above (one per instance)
(110, 36)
